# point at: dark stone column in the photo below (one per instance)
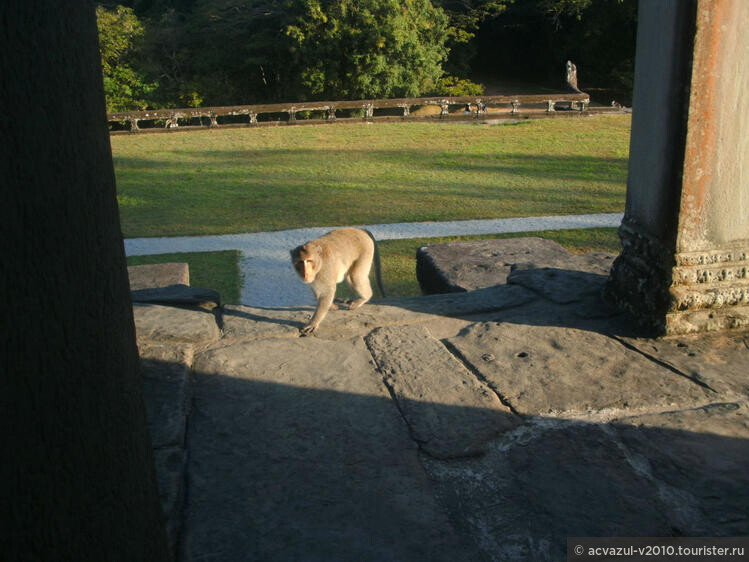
(77, 476)
(685, 233)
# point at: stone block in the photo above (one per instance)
(456, 267)
(178, 295)
(158, 275)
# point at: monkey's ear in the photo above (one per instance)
(318, 250)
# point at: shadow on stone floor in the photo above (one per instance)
(283, 466)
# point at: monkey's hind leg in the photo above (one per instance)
(358, 280)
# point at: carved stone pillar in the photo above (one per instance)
(685, 233)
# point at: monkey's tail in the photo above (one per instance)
(378, 266)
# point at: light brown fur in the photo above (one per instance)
(342, 254)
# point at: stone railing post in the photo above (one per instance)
(214, 119)
(134, 125)
(331, 113)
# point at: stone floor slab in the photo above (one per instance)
(562, 371)
(719, 360)
(297, 452)
(449, 411)
(698, 460)
(544, 482)
(166, 388)
(157, 323)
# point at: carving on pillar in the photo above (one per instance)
(710, 291)
(679, 294)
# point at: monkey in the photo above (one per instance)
(345, 253)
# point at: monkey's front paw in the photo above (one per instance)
(306, 330)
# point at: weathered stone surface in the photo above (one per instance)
(553, 370)
(466, 266)
(159, 323)
(543, 482)
(178, 294)
(558, 285)
(158, 275)
(247, 322)
(255, 323)
(298, 452)
(166, 388)
(170, 476)
(449, 411)
(718, 360)
(698, 460)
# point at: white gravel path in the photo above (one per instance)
(269, 279)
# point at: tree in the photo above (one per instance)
(124, 87)
(369, 48)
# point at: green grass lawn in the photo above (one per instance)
(218, 181)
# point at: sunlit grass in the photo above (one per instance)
(257, 179)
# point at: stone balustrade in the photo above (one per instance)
(477, 107)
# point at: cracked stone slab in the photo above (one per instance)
(545, 481)
(166, 389)
(698, 459)
(256, 323)
(449, 411)
(159, 323)
(298, 452)
(554, 370)
(719, 360)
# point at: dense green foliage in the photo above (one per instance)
(357, 49)
(176, 53)
(119, 31)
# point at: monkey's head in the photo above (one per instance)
(307, 260)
